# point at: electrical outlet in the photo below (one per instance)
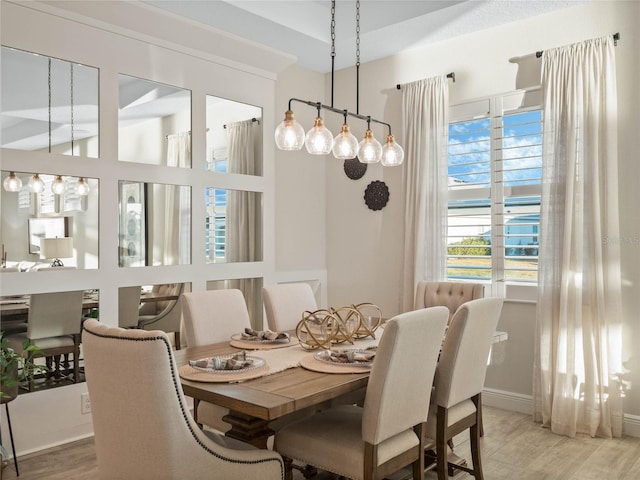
(85, 404)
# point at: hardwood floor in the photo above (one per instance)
(513, 448)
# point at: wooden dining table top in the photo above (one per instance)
(271, 396)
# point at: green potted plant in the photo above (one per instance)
(15, 367)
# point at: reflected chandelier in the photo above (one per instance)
(290, 135)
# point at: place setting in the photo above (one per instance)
(342, 360)
(251, 339)
(225, 368)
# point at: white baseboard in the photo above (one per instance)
(517, 402)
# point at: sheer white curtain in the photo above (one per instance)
(177, 244)
(243, 210)
(425, 112)
(578, 336)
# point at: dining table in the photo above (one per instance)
(254, 403)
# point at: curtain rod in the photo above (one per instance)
(616, 37)
(188, 131)
(451, 75)
(253, 120)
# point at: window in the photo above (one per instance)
(494, 170)
(215, 243)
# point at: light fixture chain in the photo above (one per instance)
(358, 33)
(72, 109)
(333, 44)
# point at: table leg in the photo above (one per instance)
(248, 429)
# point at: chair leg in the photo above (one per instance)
(13, 446)
(475, 452)
(441, 444)
(176, 339)
(288, 468)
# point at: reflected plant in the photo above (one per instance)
(16, 368)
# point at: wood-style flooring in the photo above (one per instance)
(513, 448)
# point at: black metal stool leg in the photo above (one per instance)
(13, 447)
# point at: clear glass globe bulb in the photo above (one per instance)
(392, 153)
(345, 145)
(58, 186)
(12, 183)
(319, 139)
(36, 185)
(370, 150)
(83, 187)
(289, 134)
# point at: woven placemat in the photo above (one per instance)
(248, 345)
(189, 373)
(311, 363)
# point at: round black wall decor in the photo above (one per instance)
(376, 195)
(354, 168)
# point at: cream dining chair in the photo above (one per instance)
(386, 434)
(212, 316)
(154, 437)
(163, 315)
(128, 305)
(285, 303)
(448, 294)
(459, 380)
(54, 325)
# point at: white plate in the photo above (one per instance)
(257, 363)
(325, 356)
(239, 338)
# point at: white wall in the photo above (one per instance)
(363, 247)
(47, 418)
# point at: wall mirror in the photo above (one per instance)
(155, 224)
(154, 123)
(48, 104)
(28, 217)
(234, 137)
(233, 226)
(251, 288)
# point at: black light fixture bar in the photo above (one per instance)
(319, 105)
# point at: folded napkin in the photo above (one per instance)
(352, 356)
(250, 334)
(237, 361)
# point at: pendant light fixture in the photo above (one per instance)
(12, 183)
(289, 135)
(58, 187)
(82, 187)
(36, 185)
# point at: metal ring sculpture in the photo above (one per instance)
(326, 327)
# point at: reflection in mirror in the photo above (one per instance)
(161, 309)
(251, 288)
(154, 123)
(233, 226)
(29, 217)
(24, 316)
(48, 104)
(155, 224)
(234, 137)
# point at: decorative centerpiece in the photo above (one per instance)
(326, 327)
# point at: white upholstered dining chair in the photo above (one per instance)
(212, 316)
(128, 305)
(54, 324)
(459, 380)
(164, 315)
(386, 434)
(448, 294)
(285, 303)
(141, 421)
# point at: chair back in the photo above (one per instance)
(448, 294)
(128, 305)
(465, 352)
(142, 425)
(165, 315)
(54, 314)
(399, 388)
(212, 316)
(285, 303)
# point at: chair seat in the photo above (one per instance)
(16, 340)
(307, 441)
